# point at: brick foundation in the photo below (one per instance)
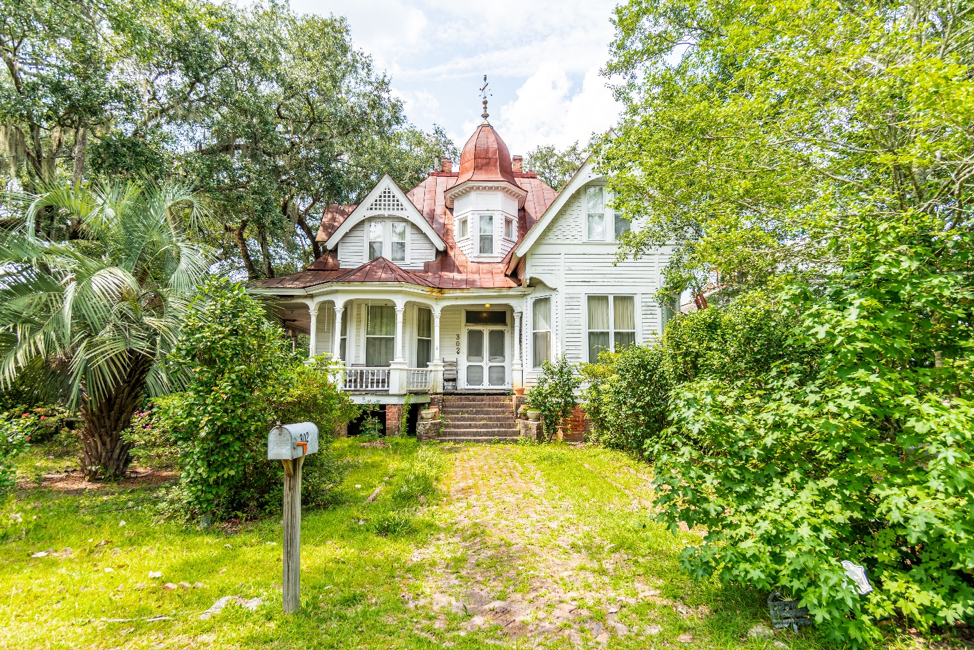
(579, 425)
(393, 419)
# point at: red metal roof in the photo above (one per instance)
(451, 269)
(485, 158)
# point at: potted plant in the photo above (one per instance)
(519, 391)
(523, 412)
(427, 414)
(533, 414)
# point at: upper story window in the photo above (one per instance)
(375, 239)
(486, 243)
(463, 228)
(599, 225)
(387, 239)
(398, 240)
(611, 324)
(509, 228)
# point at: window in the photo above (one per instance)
(611, 324)
(398, 241)
(509, 228)
(486, 234)
(424, 337)
(462, 231)
(595, 209)
(380, 336)
(541, 327)
(486, 318)
(375, 240)
(622, 225)
(343, 341)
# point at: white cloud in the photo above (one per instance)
(549, 109)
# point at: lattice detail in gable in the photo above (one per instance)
(386, 202)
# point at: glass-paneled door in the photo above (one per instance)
(486, 357)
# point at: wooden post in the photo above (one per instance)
(292, 534)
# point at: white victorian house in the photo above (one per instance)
(469, 281)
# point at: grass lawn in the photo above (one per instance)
(523, 546)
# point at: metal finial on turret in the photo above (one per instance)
(483, 94)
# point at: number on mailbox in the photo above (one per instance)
(290, 441)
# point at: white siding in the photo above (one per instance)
(450, 329)
(562, 260)
(351, 248)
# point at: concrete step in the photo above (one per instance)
(508, 439)
(504, 418)
(467, 399)
(481, 432)
(484, 412)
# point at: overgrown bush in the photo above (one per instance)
(151, 433)
(244, 379)
(865, 455)
(627, 396)
(554, 394)
(15, 435)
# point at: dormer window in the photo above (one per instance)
(486, 234)
(509, 228)
(388, 239)
(398, 242)
(595, 211)
(462, 229)
(375, 239)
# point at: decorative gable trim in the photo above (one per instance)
(386, 198)
(585, 174)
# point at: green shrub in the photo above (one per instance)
(864, 455)
(151, 433)
(627, 396)
(554, 394)
(243, 380)
(15, 435)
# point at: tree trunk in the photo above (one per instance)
(265, 253)
(238, 236)
(105, 453)
(80, 148)
(310, 234)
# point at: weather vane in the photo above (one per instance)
(484, 95)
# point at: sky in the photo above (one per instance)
(541, 57)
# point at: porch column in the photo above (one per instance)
(313, 332)
(437, 364)
(399, 342)
(517, 368)
(436, 336)
(339, 310)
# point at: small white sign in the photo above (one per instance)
(857, 574)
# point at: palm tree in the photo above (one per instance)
(93, 318)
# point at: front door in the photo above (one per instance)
(486, 359)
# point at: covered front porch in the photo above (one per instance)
(386, 345)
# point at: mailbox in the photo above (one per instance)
(290, 441)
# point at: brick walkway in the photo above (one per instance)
(515, 561)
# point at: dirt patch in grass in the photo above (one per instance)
(74, 482)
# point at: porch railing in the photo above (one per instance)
(367, 379)
(419, 380)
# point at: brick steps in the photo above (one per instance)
(477, 418)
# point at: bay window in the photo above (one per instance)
(486, 234)
(424, 337)
(380, 335)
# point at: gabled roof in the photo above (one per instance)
(382, 270)
(583, 175)
(385, 198)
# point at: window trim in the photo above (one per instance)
(368, 315)
(510, 232)
(480, 235)
(463, 227)
(535, 330)
(612, 329)
(424, 338)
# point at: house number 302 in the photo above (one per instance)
(458, 344)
